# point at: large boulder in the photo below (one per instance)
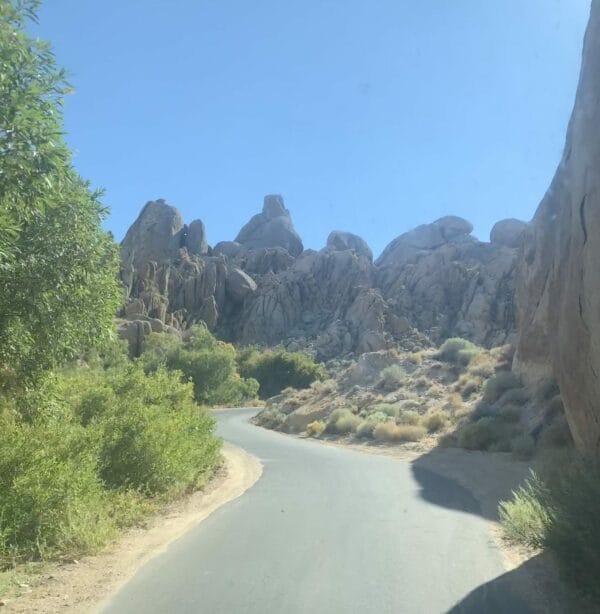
(509, 232)
(156, 235)
(559, 275)
(340, 241)
(271, 228)
(407, 247)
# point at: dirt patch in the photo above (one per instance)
(82, 586)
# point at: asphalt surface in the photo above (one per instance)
(327, 531)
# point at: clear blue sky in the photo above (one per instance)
(368, 116)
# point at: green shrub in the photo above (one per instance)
(401, 433)
(342, 422)
(276, 370)
(526, 517)
(210, 364)
(515, 396)
(480, 435)
(557, 434)
(457, 351)
(497, 385)
(51, 500)
(388, 409)
(392, 377)
(366, 427)
(408, 417)
(271, 418)
(523, 447)
(315, 428)
(510, 413)
(562, 514)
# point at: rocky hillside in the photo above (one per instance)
(431, 283)
(559, 274)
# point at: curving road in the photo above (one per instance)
(327, 531)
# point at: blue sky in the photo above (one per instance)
(371, 117)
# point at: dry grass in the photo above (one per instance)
(391, 432)
(315, 428)
(435, 421)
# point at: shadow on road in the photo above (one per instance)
(444, 491)
(502, 595)
(445, 478)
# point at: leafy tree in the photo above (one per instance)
(276, 370)
(209, 363)
(58, 268)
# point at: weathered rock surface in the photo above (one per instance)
(271, 228)
(559, 276)
(508, 232)
(341, 241)
(263, 288)
(449, 284)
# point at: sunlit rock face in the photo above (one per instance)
(558, 282)
(271, 228)
(447, 283)
(433, 282)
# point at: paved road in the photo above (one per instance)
(327, 531)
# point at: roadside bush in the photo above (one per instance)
(391, 432)
(388, 409)
(526, 517)
(562, 514)
(457, 351)
(435, 421)
(478, 435)
(408, 417)
(315, 428)
(557, 434)
(497, 385)
(366, 427)
(342, 422)
(277, 369)
(392, 377)
(523, 447)
(271, 418)
(51, 499)
(514, 396)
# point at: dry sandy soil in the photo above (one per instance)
(82, 586)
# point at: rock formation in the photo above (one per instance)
(449, 284)
(271, 228)
(264, 288)
(559, 276)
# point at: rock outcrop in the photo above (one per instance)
(559, 276)
(271, 228)
(264, 288)
(449, 284)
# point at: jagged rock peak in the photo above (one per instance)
(159, 233)
(271, 228)
(341, 241)
(154, 236)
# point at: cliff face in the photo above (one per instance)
(433, 282)
(558, 282)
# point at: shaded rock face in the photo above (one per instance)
(271, 228)
(558, 282)
(263, 288)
